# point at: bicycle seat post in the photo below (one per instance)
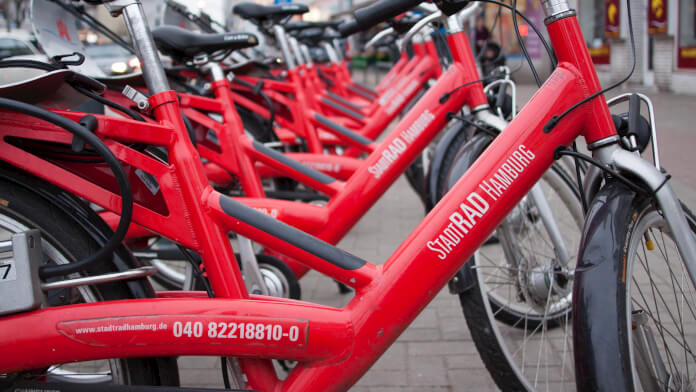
(145, 48)
(295, 46)
(282, 39)
(308, 58)
(337, 48)
(333, 55)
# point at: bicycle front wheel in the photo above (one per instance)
(645, 337)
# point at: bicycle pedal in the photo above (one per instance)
(27, 386)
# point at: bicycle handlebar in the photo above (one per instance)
(462, 15)
(376, 13)
(378, 37)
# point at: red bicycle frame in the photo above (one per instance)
(334, 346)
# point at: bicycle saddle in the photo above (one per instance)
(297, 26)
(184, 44)
(311, 37)
(269, 12)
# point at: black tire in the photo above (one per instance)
(505, 309)
(22, 208)
(459, 155)
(629, 294)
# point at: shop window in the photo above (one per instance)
(687, 34)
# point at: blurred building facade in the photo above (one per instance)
(664, 31)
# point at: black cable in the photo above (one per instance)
(196, 267)
(549, 51)
(447, 95)
(578, 176)
(48, 67)
(561, 150)
(493, 133)
(523, 46)
(225, 376)
(49, 271)
(555, 119)
(131, 113)
(266, 98)
(485, 45)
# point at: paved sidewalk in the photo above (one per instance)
(436, 352)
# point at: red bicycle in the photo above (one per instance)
(333, 347)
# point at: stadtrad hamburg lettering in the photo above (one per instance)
(400, 143)
(475, 205)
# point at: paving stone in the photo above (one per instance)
(427, 371)
(409, 389)
(379, 377)
(427, 318)
(393, 359)
(439, 348)
(454, 329)
(466, 380)
(464, 361)
(413, 334)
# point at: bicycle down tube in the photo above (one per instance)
(334, 346)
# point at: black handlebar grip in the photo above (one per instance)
(380, 11)
(633, 114)
(349, 28)
(383, 10)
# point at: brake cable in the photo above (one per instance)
(555, 119)
(562, 150)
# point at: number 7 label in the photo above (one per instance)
(7, 271)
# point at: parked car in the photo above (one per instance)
(113, 59)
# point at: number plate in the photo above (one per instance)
(226, 330)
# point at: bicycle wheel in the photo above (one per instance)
(648, 300)
(63, 241)
(516, 298)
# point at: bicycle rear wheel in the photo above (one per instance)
(642, 336)
(64, 241)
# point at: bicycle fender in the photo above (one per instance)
(87, 219)
(463, 280)
(473, 147)
(599, 359)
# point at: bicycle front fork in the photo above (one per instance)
(657, 182)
